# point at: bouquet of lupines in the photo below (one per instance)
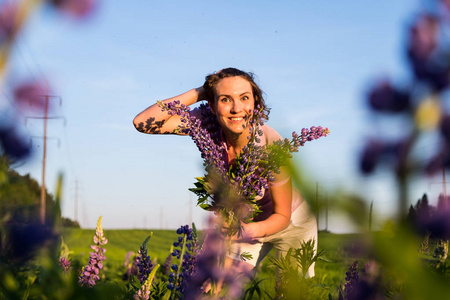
(232, 191)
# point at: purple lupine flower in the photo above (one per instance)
(438, 222)
(208, 267)
(168, 262)
(13, 145)
(144, 292)
(75, 8)
(144, 263)
(385, 98)
(371, 155)
(89, 274)
(8, 15)
(366, 286)
(130, 263)
(31, 95)
(424, 57)
(65, 264)
(351, 279)
(182, 272)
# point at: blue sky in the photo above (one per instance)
(313, 59)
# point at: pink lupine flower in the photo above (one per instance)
(30, 95)
(89, 274)
(75, 8)
(8, 15)
(65, 264)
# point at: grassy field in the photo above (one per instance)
(119, 243)
(328, 274)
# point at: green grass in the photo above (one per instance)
(119, 243)
(341, 249)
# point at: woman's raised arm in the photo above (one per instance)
(154, 121)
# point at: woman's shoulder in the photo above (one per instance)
(270, 134)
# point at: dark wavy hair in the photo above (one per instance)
(212, 80)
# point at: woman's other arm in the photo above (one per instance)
(154, 121)
(281, 195)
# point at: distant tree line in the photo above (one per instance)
(20, 197)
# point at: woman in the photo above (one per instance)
(285, 221)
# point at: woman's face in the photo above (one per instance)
(233, 104)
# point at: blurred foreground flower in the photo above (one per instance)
(64, 261)
(437, 222)
(89, 274)
(75, 8)
(13, 145)
(385, 98)
(8, 15)
(30, 95)
(209, 273)
(424, 53)
(364, 285)
(65, 264)
(25, 239)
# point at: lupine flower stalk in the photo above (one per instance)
(145, 290)
(144, 263)
(248, 177)
(64, 261)
(168, 262)
(89, 274)
(65, 264)
(209, 268)
(130, 265)
(440, 254)
(182, 272)
(351, 279)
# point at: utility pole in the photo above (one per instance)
(317, 204)
(443, 182)
(42, 212)
(326, 212)
(444, 186)
(190, 209)
(44, 157)
(76, 203)
(85, 216)
(161, 213)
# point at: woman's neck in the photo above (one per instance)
(235, 143)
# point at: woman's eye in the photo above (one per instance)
(245, 98)
(225, 100)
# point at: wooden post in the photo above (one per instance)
(43, 192)
(317, 204)
(444, 183)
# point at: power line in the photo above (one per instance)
(22, 39)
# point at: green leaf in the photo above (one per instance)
(246, 256)
(205, 206)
